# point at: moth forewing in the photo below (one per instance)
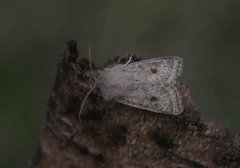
(162, 69)
(152, 97)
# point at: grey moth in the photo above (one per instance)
(149, 84)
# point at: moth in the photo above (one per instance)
(149, 84)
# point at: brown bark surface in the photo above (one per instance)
(114, 135)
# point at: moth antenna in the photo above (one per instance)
(130, 59)
(89, 55)
(84, 100)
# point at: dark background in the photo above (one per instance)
(33, 34)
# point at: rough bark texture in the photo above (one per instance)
(114, 135)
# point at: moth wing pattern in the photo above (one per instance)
(152, 97)
(165, 69)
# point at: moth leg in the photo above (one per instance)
(130, 59)
(84, 100)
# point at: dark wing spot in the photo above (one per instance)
(153, 67)
(153, 99)
(153, 70)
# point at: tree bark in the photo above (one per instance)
(113, 135)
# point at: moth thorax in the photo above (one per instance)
(112, 82)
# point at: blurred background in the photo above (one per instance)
(33, 35)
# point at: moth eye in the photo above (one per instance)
(153, 70)
(153, 99)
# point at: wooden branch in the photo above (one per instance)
(114, 135)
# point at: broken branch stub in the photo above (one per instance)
(114, 135)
